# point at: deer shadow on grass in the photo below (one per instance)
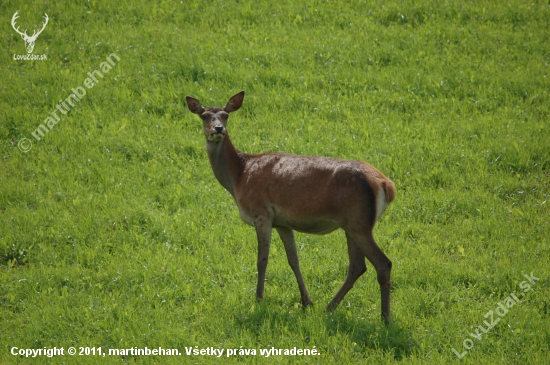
(289, 320)
(369, 334)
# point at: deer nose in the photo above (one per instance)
(218, 128)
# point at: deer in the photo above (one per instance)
(29, 41)
(308, 194)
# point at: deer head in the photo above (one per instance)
(214, 120)
(29, 41)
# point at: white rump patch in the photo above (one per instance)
(381, 203)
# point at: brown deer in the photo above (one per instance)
(308, 194)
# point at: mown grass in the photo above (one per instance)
(114, 232)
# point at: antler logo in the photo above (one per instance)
(29, 41)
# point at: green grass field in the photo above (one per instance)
(114, 232)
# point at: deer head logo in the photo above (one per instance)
(29, 41)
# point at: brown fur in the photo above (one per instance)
(309, 194)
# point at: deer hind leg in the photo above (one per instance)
(382, 265)
(287, 236)
(263, 232)
(356, 268)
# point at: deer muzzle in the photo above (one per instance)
(217, 134)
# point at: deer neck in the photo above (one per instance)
(227, 163)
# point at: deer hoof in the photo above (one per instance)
(307, 304)
(331, 307)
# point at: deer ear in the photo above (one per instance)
(194, 105)
(234, 103)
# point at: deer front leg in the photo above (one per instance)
(263, 231)
(287, 236)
